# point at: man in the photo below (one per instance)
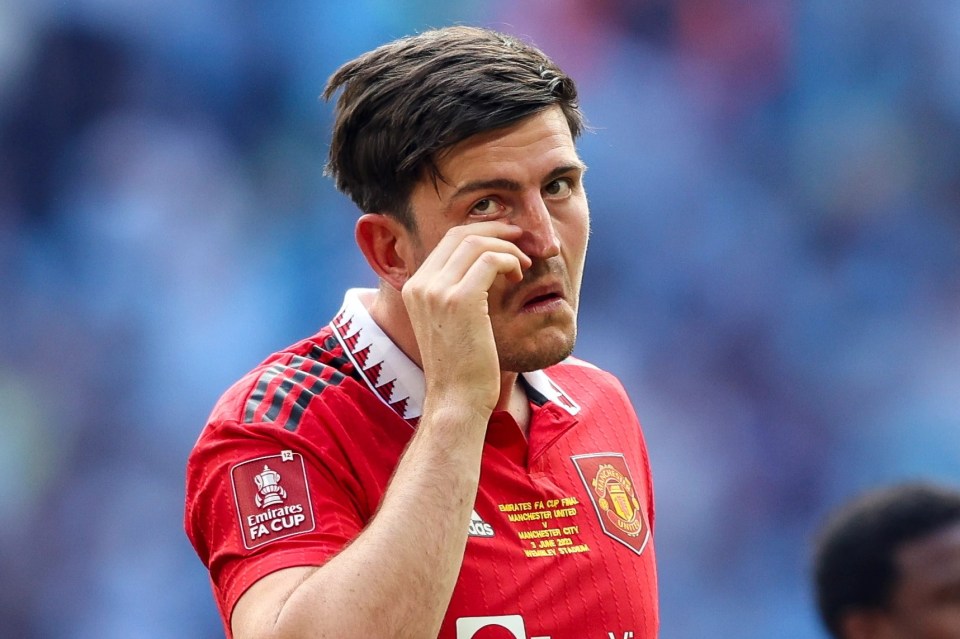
(888, 565)
(433, 462)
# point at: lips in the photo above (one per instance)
(540, 293)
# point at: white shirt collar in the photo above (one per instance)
(394, 377)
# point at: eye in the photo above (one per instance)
(487, 206)
(561, 187)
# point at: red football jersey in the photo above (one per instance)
(296, 456)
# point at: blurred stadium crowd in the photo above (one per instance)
(774, 271)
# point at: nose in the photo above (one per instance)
(539, 239)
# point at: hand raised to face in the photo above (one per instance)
(447, 301)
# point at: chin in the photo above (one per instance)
(544, 351)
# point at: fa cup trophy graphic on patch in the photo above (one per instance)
(271, 493)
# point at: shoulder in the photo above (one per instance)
(281, 388)
(582, 372)
(591, 387)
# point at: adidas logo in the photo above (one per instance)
(478, 527)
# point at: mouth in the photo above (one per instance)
(542, 298)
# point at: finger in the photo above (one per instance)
(463, 257)
(455, 236)
(485, 269)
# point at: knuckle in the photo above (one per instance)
(435, 296)
(472, 240)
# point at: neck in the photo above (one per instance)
(387, 310)
(513, 399)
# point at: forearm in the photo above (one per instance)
(396, 578)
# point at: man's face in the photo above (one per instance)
(926, 603)
(527, 175)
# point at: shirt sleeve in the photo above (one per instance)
(260, 498)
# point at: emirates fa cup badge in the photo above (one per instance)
(268, 483)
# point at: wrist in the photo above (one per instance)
(456, 411)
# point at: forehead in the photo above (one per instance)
(932, 561)
(529, 148)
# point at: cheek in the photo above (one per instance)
(420, 244)
(581, 223)
(574, 236)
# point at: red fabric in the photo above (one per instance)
(545, 557)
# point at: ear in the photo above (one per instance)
(388, 247)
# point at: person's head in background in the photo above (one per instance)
(887, 565)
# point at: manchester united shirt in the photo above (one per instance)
(296, 456)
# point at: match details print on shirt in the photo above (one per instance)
(555, 530)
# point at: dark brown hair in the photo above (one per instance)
(407, 101)
(855, 564)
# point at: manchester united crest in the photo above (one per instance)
(614, 496)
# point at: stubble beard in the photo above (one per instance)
(528, 362)
(542, 352)
(549, 342)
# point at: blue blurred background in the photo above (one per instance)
(774, 271)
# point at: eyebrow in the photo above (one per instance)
(506, 184)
